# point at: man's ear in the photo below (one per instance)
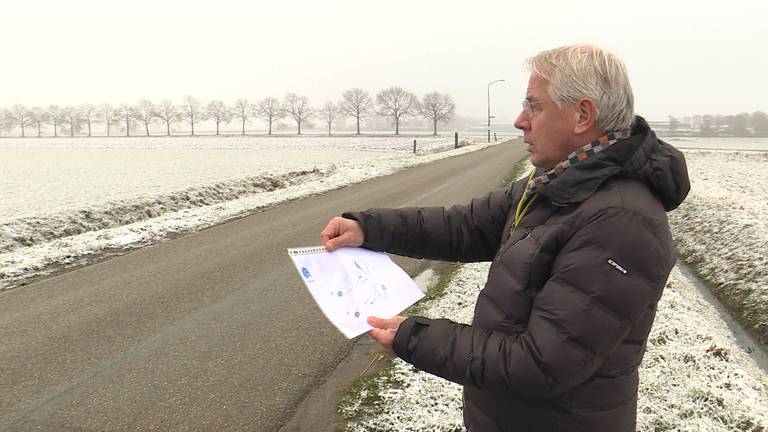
(586, 116)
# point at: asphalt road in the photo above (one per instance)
(210, 331)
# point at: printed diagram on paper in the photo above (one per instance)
(360, 289)
(352, 284)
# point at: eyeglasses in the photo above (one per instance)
(531, 108)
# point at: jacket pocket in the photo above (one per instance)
(512, 240)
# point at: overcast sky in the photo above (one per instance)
(684, 57)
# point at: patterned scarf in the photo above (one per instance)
(579, 155)
(582, 153)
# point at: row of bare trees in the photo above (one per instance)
(738, 125)
(708, 125)
(393, 102)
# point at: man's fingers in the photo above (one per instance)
(346, 239)
(383, 338)
(341, 232)
(330, 231)
(375, 322)
(343, 240)
(377, 333)
(335, 243)
(382, 323)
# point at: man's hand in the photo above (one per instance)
(384, 331)
(341, 232)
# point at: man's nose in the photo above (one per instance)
(522, 121)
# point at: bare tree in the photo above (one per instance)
(738, 124)
(193, 112)
(706, 126)
(270, 110)
(356, 103)
(55, 116)
(38, 120)
(88, 113)
(125, 112)
(218, 112)
(6, 123)
(329, 113)
(169, 113)
(73, 119)
(108, 114)
(145, 113)
(437, 107)
(759, 122)
(397, 103)
(719, 120)
(20, 116)
(298, 108)
(674, 123)
(242, 109)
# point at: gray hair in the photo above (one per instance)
(579, 71)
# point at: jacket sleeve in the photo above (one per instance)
(461, 233)
(582, 313)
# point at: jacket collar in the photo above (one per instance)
(641, 156)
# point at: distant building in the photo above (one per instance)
(667, 129)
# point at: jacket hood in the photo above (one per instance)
(642, 156)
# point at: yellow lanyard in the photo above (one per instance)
(525, 204)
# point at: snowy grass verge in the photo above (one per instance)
(721, 230)
(381, 402)
(25, 232)
(695, 376)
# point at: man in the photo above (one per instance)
(580, 251)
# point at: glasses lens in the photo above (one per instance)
(527, 107)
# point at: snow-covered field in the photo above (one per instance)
(67, 199)
(700, 372)
(238, 142)
(722, 230)
(718, 143)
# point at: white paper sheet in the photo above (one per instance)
(351, 284)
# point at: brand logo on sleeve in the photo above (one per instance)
(617, 266)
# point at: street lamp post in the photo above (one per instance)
(489, 107)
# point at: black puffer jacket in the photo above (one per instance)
(561, 325)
